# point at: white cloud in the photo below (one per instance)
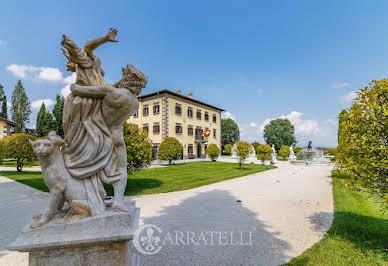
(68, 80)
(33, 72)
(341, 85)
(228, 115)
(3, 43)
(252, 124)
(50, 74)
(348, 98)
(37, 104)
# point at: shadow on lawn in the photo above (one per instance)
(214, 212)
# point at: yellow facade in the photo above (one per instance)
(194, 145)
(5, 127)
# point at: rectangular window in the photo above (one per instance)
(145, 127)
(199, 115)
(190, 112)
(156, 128)
(214, 119)
(214, 133)
(178, 109)
(198, 132)
(178, 128)
(190, 149)
(190, 130)
(206, 116)
(156, 108)
(145, 110)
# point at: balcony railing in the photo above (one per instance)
(199, 138)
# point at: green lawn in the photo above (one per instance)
(160, 180)
(358, 235)
(13, 163)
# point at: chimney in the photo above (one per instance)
(178, 91)
(190, 95)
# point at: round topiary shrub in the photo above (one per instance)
(170, 149)
(228, 149)
(213, 152)
(264, 153)
(284, 152)
(242, 149)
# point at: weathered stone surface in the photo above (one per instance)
(108, 227)
(99, 240)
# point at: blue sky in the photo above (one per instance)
(259, 60)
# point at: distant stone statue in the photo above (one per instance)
(273, 155)
(292, 156)
(93, 117)
(310, 145)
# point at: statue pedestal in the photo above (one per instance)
(100, 240)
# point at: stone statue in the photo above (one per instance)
(89, 228)
(292, 156)
(273, 155)
(58, 180)
(94, 148)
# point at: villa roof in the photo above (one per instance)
(180, 96)
(8, 121)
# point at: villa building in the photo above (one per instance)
(5, 127)
(166, 113)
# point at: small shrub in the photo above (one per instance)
(228, 149)
(332, 151)
(264, 153)
(284, 152)
(297, 149)
(213, 151)
(242, 149)
(170, 149)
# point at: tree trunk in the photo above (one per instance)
(19, 165)
(169, 161)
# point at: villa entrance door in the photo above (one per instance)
(199, 151)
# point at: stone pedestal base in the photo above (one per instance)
(100, 240)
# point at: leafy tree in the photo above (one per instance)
(58, 114)
(213, 151)
(3, 103)
(139, 147)
(228, 149)
(20, 108)
(363, 140)
(332, 151)
(17, 147)
(230, 133)
(3, 154)
(341, 116)
(170, 149)
(255, 145)
(264, 153)
(284, 152)
(242, 149)
(279, 132)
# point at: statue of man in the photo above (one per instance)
(119, 101)
(93, 131)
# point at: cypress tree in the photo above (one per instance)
(20, 108)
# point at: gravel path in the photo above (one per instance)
(282, 213)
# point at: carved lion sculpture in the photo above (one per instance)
(62, 186)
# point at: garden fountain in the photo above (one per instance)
(310, 155)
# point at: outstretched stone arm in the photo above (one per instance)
(93, 44)
(91, 91)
